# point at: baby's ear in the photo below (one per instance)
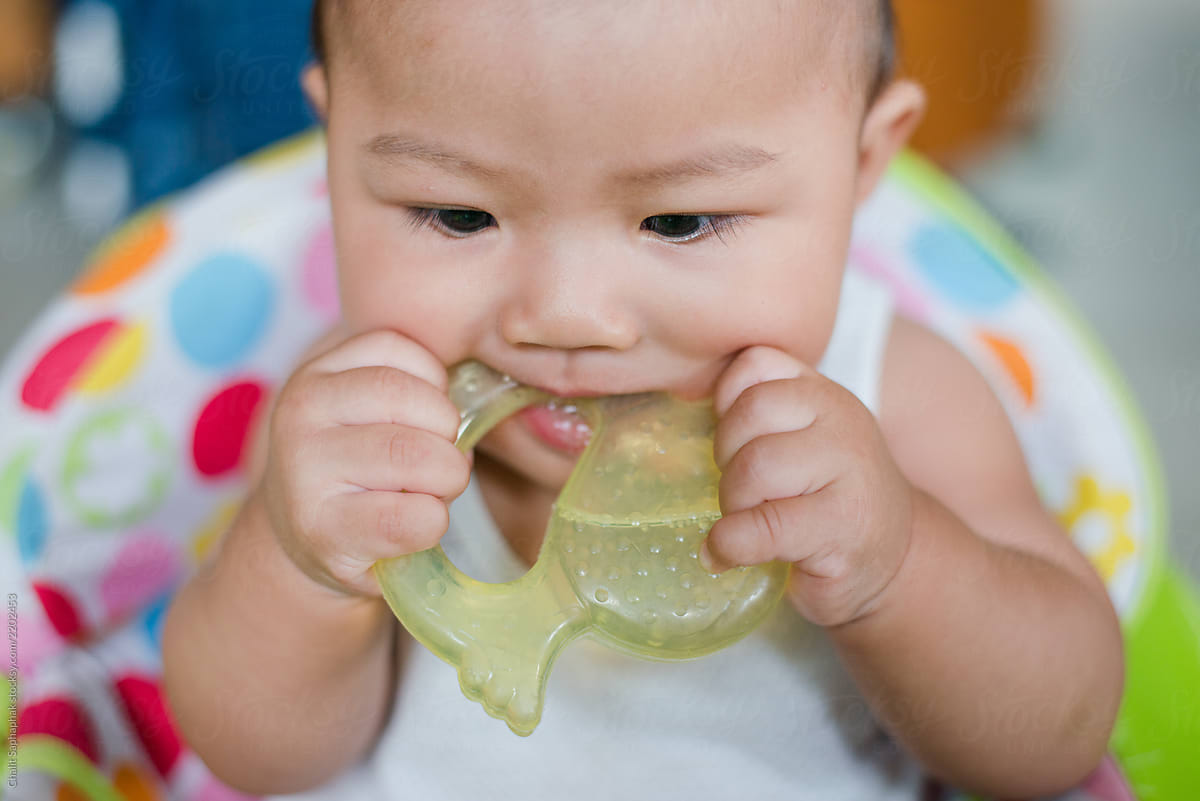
(316, 89)
(886, 129)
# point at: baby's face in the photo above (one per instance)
(593, 202)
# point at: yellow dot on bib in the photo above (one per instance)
(1112, 507)
(212, 528)
(286, 152)
(115, 362)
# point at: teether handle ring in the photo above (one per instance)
(470, 623)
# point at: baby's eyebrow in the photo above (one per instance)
(728, 159)
(396, 147)
(725, 160)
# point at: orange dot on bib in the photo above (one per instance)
(1015, 364)
(133, 784)
(66, 792)
(126, 254)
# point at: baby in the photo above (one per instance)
(612, 197)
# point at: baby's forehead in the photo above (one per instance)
(833, 36)
(813, 19)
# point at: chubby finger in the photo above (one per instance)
(388, 457)
(384, 394)
(387, 348)
(778, 466)
(800, 530)
(773, 407)
(750, 537)
(380, 525)
(754, 365)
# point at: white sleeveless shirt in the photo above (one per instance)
(774, 716)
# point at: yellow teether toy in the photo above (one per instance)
(618, 562)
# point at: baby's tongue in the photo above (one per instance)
(557, 425)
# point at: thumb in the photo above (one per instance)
(749, 537)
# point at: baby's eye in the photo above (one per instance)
(689, 227)
(453, 222)
(462, 223)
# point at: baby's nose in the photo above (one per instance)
(567, 306)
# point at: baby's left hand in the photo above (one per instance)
(806, 478)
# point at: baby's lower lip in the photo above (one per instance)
(557, 426)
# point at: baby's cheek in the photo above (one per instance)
(399, 295)
(365, 292)
(778, 300)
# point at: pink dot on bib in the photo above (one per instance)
(38, 641)
(908, 301)
(145, 567)
(320, 275)
(213, 790)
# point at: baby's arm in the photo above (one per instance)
(279, 654)
(276, 682)
(995, 654)
(981, 637)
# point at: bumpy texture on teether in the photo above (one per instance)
(619, 559)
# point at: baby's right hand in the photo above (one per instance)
(361, 463)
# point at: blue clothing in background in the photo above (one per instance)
(202, 82)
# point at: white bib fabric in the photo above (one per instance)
(774, 716)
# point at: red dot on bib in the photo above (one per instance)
(60, 609)
(54, 372)
(221, 428)
(61, 717)
(147, 713)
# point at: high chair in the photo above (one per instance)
(124, 411)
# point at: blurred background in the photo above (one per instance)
(1075, 122)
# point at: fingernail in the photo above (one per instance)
(706, 559)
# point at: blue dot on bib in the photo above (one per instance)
(31, 522)
(221, 308)
(153, 621)
(960, 269)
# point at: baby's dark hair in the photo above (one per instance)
(880, 69)
(886, 51)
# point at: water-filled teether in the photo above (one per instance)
(618, 562)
